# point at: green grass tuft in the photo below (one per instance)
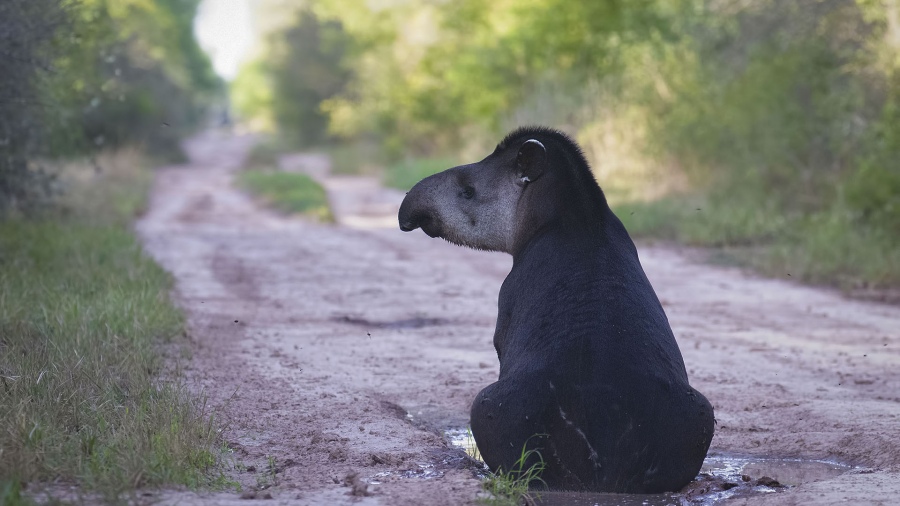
(11, 493)
(406, 174)
(512, 488)
(288, 192)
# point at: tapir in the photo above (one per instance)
(592, 385)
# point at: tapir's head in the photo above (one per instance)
(490, 204)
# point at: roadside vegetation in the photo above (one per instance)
(87, 398)
(779, 119)
(288, 192)
(514, 487)
(92, 93)
(829, 248)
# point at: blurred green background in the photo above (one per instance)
(767, 128)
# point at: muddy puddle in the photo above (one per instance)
(441, 460)
(420, 471)
(722, 477)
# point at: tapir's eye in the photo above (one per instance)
(467, 192)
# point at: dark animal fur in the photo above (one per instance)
(590, 374)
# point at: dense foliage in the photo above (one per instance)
(303, 67)
(784, 113)
(26, 29)
(80, 76)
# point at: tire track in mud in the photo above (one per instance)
(317, 342)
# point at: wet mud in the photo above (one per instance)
(722, 477)
(339, 356)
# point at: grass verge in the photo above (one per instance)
(406, 174)
(288, 192)
(85, 398)
(830, 247)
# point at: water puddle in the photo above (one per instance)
(462, 439)
(422, 472)
(722, 477)
(441, 461)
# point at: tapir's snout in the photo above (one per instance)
(407, 216)
(415, 211)
(417, 219)
(445, 205)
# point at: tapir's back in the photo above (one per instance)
(588, 297)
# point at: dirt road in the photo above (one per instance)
(341, 350)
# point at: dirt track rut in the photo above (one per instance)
(334, 350)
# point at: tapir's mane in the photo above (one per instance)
(545, 132)
(581, 170)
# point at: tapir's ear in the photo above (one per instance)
(530, 162)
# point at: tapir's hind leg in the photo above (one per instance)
(507, 419)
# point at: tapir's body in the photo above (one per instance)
(615, 403)
(590, 374)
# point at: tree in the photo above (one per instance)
(27, 28)
(303, 67)
(76, 77)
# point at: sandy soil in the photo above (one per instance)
(340, 353)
